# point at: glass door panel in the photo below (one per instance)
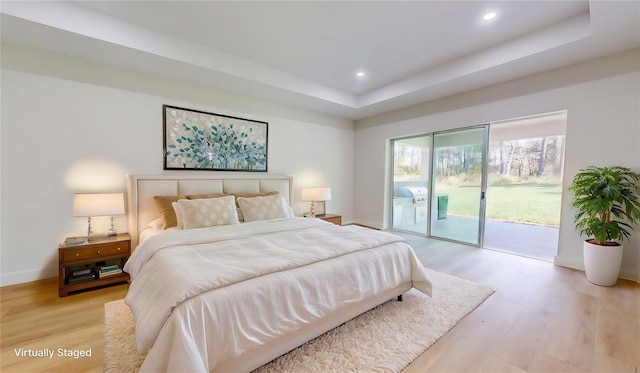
(524, 186)
(411, 183)
(457, 201)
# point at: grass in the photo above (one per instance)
(523, 203)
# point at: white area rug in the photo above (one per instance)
(385, 339)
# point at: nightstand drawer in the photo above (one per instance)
(335, 219)
(116, 248)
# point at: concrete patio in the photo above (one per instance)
(533, 241)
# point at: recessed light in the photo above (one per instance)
(360, 74)
(490, 15)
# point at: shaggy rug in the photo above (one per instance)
(385, 339)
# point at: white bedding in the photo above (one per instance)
(150, 232)
(204, 297)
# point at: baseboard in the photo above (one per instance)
(368, 224)
(569, 262)
(362, 225)
(625, 273)
(13, 278)
(630, 274)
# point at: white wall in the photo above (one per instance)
(603, 128)
(75, 126)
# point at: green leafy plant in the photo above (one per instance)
(607, 202)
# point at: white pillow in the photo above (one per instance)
(178, 212)
(290, 212)
(263, 208)
(207, 212)
(155, 223)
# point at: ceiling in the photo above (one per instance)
(307, 53)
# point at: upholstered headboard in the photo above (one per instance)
(140, 191)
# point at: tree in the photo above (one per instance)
(543, 154)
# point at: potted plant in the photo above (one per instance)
(608, 204)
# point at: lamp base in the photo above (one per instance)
(112, 230)
(89, 229)
(312, 210)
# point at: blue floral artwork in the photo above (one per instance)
(196, 140)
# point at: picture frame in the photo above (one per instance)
(198, 140)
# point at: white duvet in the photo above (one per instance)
(204, 297)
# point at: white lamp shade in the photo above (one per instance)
(316, 194)
(98, 204)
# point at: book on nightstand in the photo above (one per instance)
(82, 278)
(80, 272)
(109, 271)
(70, 241)
(109, 268)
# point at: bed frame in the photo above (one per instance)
(142, 210)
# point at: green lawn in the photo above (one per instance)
(525, 203)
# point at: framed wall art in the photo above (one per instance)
(197, 140)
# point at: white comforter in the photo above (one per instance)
(203, 297)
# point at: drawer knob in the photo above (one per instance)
(77, 254)
(98, 251)
(118, 249)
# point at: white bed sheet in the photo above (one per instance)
(150, 232)
(258, 283)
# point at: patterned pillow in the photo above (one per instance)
(251, 195)
(176, 209)
(200, 213)
(263, 208)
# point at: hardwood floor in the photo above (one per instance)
(33, 317)
(542, 318)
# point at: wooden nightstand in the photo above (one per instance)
(91, 256)
(335, 219)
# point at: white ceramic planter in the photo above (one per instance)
(602, 263)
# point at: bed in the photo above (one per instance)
(234, 296)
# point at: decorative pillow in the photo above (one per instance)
(263, 208)
(206, 195)
(167, 214)
(207, 212)
(252, 195)
(178, 211)
(290, 213)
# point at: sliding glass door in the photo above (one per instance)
(411, 183)
(441, 181)
(458, 185)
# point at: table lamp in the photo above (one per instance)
(314, 195)
(104, 204)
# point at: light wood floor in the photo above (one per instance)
(33, 317)
(542, 318)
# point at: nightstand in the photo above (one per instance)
(335, 219)
(89, 257)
